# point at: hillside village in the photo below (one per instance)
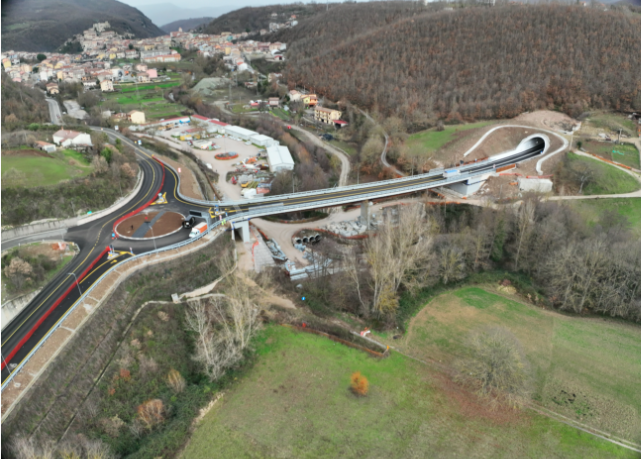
(103, 48)
(423, 218)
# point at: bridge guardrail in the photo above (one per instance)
(319, 193)
(93, 286)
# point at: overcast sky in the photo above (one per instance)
(166, 11)
(192, 4)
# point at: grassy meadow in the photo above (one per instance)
(624, 153)
(148, 98)
(295, 402)
(584, 368)
(612, 122)
(607, 179)
(592, 210)
(45, 170)
(431, 140)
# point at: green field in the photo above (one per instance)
(280, 113)
(624, 153)
(45, 170)
(148, 99)
(348, 148)
(295, 402)
(146, 87)
(593, 210)
(595, 359)
(608, 179)
(426, 142)
(613, 122)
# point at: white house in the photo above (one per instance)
(66, 138)
(279, 158)
(294, 95)
(46, 146)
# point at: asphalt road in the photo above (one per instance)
(26, 330)
(92, 238)
(54, 111)
(385, 186)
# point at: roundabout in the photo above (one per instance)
(150, 225)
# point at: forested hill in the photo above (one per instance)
(44, 25)
(21, 105)
(252, 19)
(471, 62)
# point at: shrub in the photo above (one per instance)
(176, 381)
(151, 413)
(496, 365)
(360, 384)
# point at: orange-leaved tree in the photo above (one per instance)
(360, 384)
(151, 412)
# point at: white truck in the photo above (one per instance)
(248, 193)
(197, 230)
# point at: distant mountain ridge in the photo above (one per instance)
(185, 24)
(255, 18)
(167, 12)
(44, 25)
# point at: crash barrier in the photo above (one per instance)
(307, 329)
(601, 158)
(117, 205)
(144, 206)
(506, 168)
(64, 295)
(13, 352)
(87, 292)
(63, 225)
(516, 174)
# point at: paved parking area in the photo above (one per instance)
(221, 166)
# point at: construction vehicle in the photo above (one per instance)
(199, 229)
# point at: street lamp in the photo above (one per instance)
(74, 275)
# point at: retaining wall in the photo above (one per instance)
(12, 307)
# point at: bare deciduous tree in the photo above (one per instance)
(397, 253)
(224, 328)
(18, 272)
(524, 223)
(497, 364)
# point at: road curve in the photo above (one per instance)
(344, 159)
(25, 330)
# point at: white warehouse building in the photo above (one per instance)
(239, 132)
(263, 140)
(279, 158)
